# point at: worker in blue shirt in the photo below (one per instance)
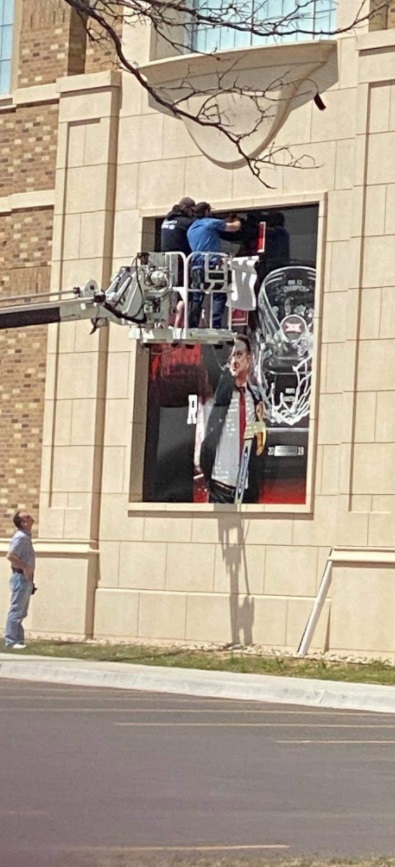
(204, 237)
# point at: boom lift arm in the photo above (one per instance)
(141, 296)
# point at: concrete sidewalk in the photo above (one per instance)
(216, 684)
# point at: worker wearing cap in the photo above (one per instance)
(204, 237)
(173, 239)
(173, 233)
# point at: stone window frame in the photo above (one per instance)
(6, 96)
(139, 408)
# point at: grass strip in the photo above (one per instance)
(225, 659)
(195, 860)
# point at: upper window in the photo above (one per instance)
(6, 22)
(314, 20)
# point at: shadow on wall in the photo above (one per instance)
(242, 606)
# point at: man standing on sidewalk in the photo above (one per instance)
(22, 558)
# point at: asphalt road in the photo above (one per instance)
(94, 776)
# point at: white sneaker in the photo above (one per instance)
(18, 647)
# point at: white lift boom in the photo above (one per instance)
(142, 295)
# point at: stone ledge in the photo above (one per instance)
(89, 81)
(55, 548)
(37, 93)
(375, 40)
(275, 198)
(29, 199)
(363, 556)
(219, 508)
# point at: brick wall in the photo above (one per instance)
(28, 141)
(7, 145)
(25, 255)
(100, 51)
(52, 42)
(391, 15)
(35, 143)
(50, 46)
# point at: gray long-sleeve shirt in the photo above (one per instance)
(21, 546)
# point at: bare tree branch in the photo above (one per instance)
(183, 25)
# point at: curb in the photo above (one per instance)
(214, 684)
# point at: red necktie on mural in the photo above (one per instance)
(242, 417)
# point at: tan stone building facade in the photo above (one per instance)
(86, 167)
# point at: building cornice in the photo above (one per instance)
(38, 93)
(26, 201)
(376, 40)
(51, 93)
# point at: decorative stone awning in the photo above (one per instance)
(251, 90)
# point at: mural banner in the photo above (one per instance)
(230, 424)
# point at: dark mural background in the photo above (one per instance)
(183, 379)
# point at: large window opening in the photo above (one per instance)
(300, 221)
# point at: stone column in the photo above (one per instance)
(77, 361)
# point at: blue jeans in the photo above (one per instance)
(197, 297)
(21, 590)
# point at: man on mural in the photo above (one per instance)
(236, 404)
(204, 237)
(22, 558)
(173, 239)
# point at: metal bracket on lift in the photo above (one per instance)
(189, 336)
(141, 296)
